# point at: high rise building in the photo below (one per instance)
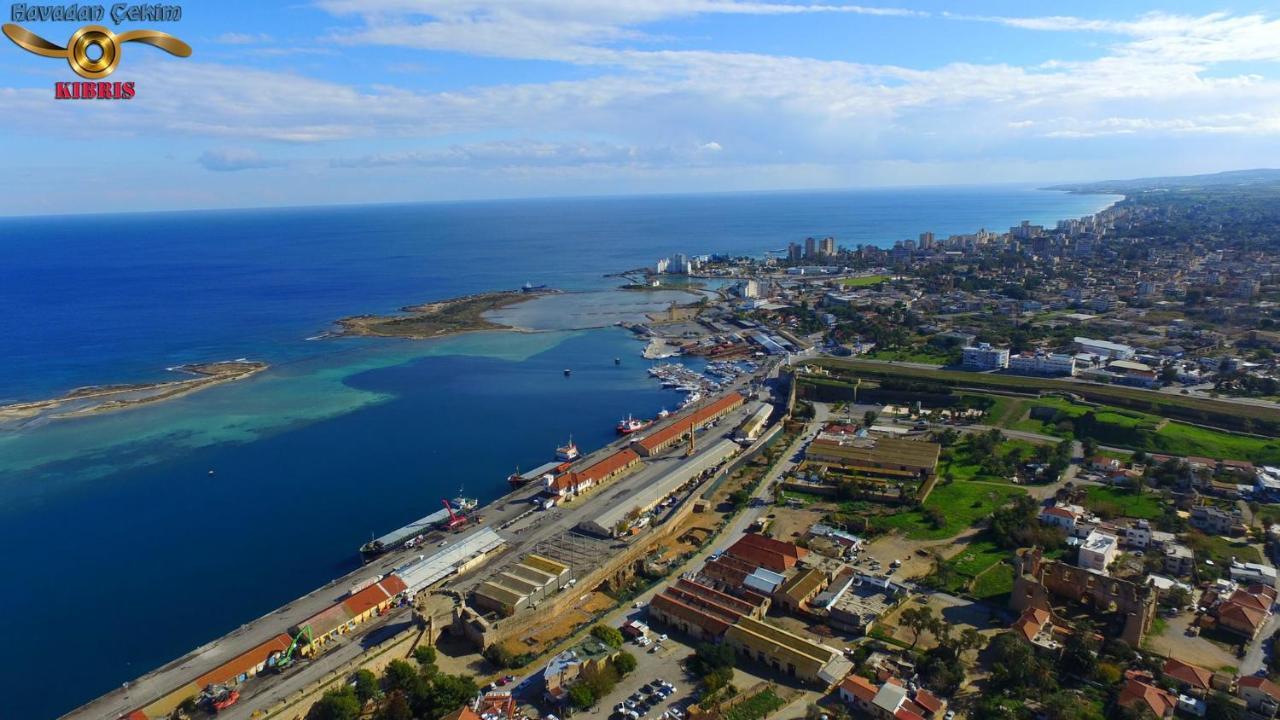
(828, 247)
(926, 240)
(810, 248)
(795, 252)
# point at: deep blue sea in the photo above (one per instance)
(122, 552)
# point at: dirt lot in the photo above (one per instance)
(888, 548)
(1175, 642)
(584, 611)
(958, 612)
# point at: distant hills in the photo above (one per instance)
(1230, 178)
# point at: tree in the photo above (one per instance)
(1221, 706)
(1078, 651)
(610, 636)
(425, 655)
(917, 620)
(971, 639)
(1016, 669)
(625, 663)
(869, 418)
(401, 676)
(581, 697)
(450, 692)
(366, 685)
(396, 707)
(936, 517)
(339, 704)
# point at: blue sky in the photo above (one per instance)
(338, 101)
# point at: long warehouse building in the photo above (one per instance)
(678, 428)
(615, 519)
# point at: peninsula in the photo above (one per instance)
(101, 398)
(439, 319)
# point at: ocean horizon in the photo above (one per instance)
(340, 438)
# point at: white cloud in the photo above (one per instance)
(232, 159)
(236, 38)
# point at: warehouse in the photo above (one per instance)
(549, 566)
(891, 457)
(678, 428)
(506, 601)
(766, 552)
(576, 483)
(545, 581)
(698, 610)
(751, 427)
(427, 570)
(787, 653)
(233, 672)
(346, 615)
(616, 519)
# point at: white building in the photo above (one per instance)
(1138, 535)
(1098, 551)
(985, 357)
(1249, 573)
(1105, 348)
(1042, 363)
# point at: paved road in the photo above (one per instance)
(1254, 657)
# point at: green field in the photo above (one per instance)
(997, 581)
(1221, 550)
(1122, 503)
(962, 503)
(976, 557)
(866, 281)
(1200, 410)
(960, 461)
(916, 355)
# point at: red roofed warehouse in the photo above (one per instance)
(678, 428)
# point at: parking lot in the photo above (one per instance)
(662, 660)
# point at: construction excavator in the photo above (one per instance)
(278, 660)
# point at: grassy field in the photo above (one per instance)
(962, 503)
(866, 281)
(1220, 550)
(960, 462)
(916, 355)
(1177, 438)
(996, 582)
(1122, 503)
(1204, 410)
(976, 557)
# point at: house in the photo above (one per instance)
(1245, 611)
(1036, 626)
(1189, 678)
(891, 700)
(1102, 463)
(1098, 551)
(1178, 559)
(1138, 535)
(1062, 516)
(1260, 695)
(1216, 521)
(1138, 692)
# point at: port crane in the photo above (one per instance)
(455, 521)
(281, 660)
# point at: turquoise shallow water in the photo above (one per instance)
(115, 516)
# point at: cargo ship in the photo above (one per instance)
(520, 479)
(415, 532)
(629, 425)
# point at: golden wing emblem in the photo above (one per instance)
(90, 36)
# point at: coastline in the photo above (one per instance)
(92, 399)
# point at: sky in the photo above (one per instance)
(313, 102)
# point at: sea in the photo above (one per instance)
(133, 537)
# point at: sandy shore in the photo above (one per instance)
(103, 398)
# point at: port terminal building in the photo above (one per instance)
(621, 517)
(344, 616)
(678, 429)
(231, 673)
(598, 473)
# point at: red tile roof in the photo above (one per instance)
(1031, 623)
(927, 700)
(680, 424)
(244, 662)
(766, 552)
(375, 595)
(1262, 684)
(1136, 692)
(859, 687)
(597, 472)
(1193, 675)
